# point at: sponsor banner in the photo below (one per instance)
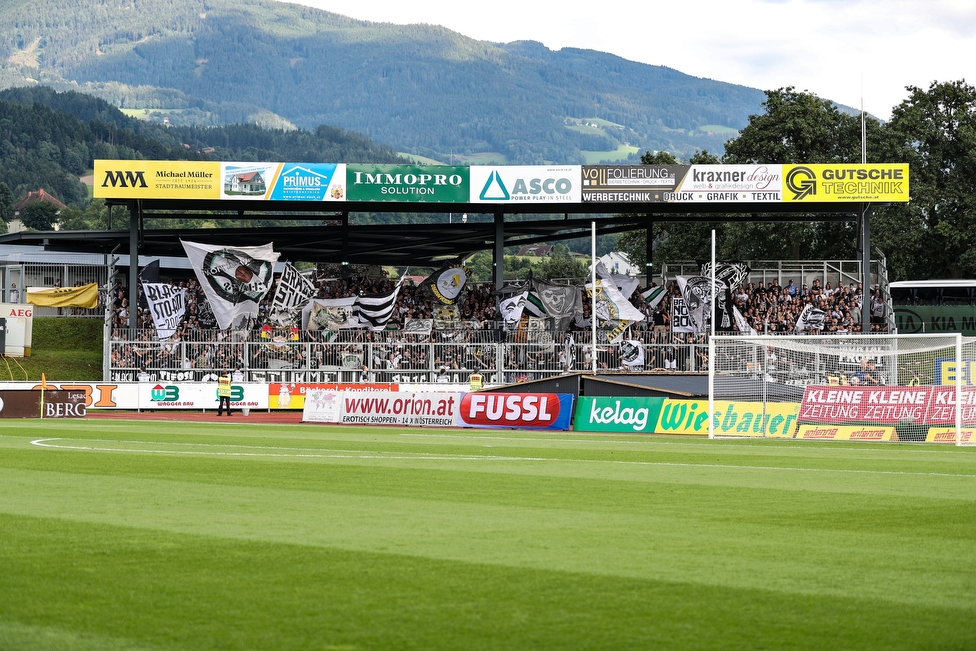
(248, 180)
(602, 414)
(942, 406)
(20, 404)
(948, 435)
(141, 179)
(63, 404)
(888, 405)
(310, 182)
(730, 184)
(518, 410)
(945, 371)
(85, 296)
(161, 395)
(526, 183)
(853, 182)
(731, 418)
(630, 183)
(411, 183)
(292, 395)
(847, 432)
(25, 403)
(20, 328)
(396, 408)
(98, 395)
(935, 319)
(322, 406)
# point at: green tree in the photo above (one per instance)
(933, 235)
(6, 204)
(561, 265)
(673, 240)
(39, 216)
(798, 128)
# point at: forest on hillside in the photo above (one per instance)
(420, 88)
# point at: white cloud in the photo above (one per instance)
(840, 49)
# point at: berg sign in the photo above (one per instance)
(526, 183)
(519, 410)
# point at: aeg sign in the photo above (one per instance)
(519, 410)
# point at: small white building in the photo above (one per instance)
(617, 262)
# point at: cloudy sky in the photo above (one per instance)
(844, 50)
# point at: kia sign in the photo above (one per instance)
(517, 410)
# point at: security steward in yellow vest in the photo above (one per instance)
(223, 392)
(475, 382)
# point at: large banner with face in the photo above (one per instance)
(235, 279)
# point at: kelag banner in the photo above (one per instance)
(603, 414)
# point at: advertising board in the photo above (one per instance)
(516, 410)
(608, 414)
(156, 395)
(407, 183)
(525, 183)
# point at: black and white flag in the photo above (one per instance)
(374, 310)
(561, 302)
(811, 318)
(447, 283)
(330, 314)
(631, 353)
(293, 293)
(167, 305)
(234, 279)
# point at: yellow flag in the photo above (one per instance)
(83, 296)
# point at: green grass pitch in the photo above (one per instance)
(152, 535)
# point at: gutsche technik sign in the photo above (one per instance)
(503, 184)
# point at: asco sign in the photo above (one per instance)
(518, 410)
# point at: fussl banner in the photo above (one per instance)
(516, 410)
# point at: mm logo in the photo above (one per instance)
(165, 394)
(126, 179)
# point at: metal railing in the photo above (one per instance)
(391, 356)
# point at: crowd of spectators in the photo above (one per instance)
(767, 308)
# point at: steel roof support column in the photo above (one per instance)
(649, 251)
(135, 221)
(864, 240)
(498, 256)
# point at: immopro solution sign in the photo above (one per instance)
(407, 183)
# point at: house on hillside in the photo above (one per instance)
(618, 262)
(536, 250)
(245, 183)
(16, 224)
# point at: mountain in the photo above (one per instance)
(423, 89)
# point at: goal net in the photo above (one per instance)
(863, 387)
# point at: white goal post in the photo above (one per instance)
(840, 387)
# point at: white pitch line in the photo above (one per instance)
(45, 443)
(782, 445)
